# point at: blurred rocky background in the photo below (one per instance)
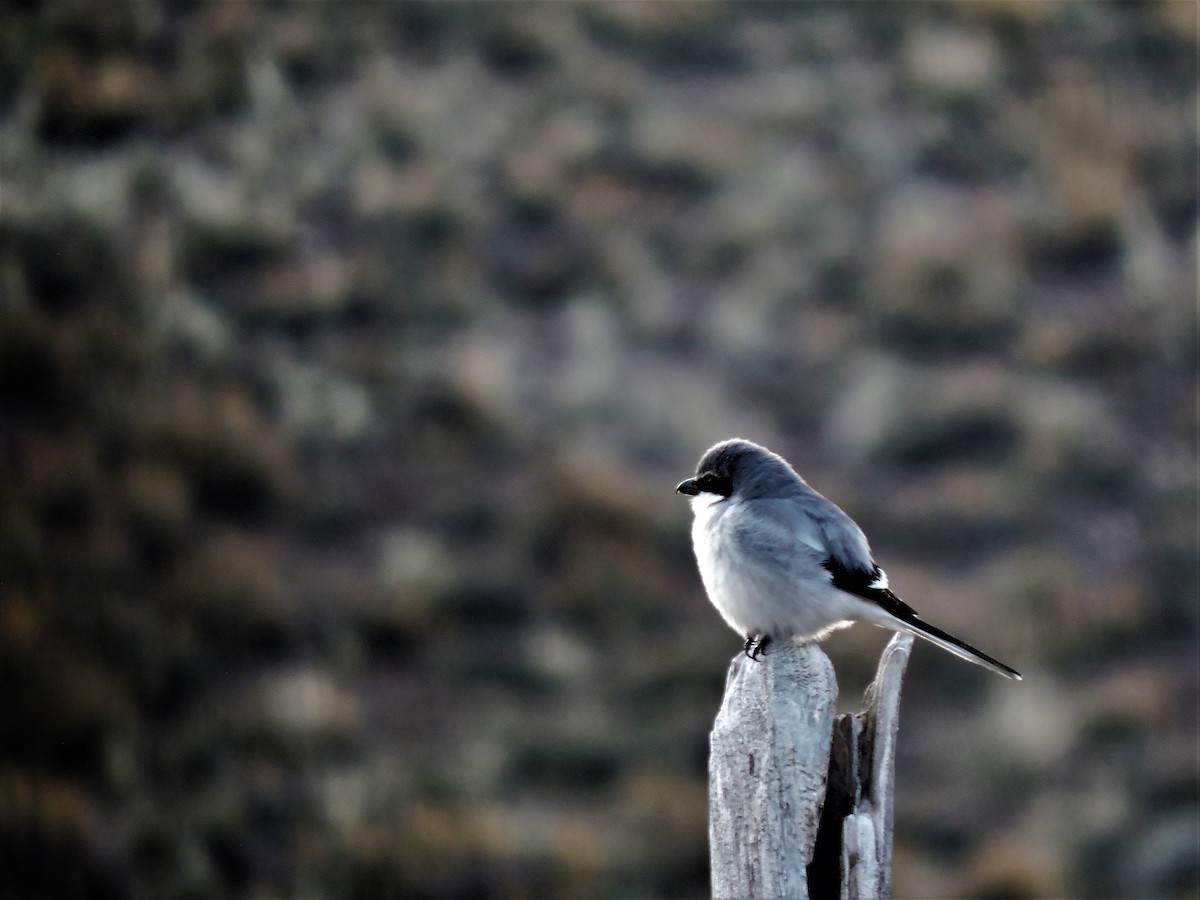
(350, 354)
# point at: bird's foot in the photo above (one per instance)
(756, 645)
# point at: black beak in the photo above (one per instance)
(688, 487)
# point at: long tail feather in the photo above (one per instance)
(959, 648)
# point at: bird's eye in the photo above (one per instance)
(713, 483)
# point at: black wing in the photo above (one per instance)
(863, 583)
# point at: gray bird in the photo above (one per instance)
(778, 560)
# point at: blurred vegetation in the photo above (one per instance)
(349, 355)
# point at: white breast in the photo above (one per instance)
(713, 559)
(757, 596)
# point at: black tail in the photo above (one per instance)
(959, 648)
(901, 616)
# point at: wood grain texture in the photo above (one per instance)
(767, 769)
(867, 832)
(800, 805)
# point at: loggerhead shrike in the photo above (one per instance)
(778, 560)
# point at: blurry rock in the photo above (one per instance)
(186, 321)
(1179, 21)
(949, 60)
(1037, 727)
(50, 805)
(562, 763)
(64, 263)
(413, 564)
(590, 369)
(544, 162)
(158, 494)
(713, 146)
(307, 702)
(239, 578)
(235, 463)
(485, 367)
(316, 401)
(1150, 264)
(313, 50)
(867, 409)
(595, 558)
(672, 808)
(693, 36)
(47, 842)
(269, 93)
(1122, 705)
(537, 255)
(34, 383)
(773, 198)
(515, 47)
(1065, 425)
(228, 221)
(790, 97)
(1083, 165)
(208, 78)
(382, 189)
(948, 270)
(923, 417)
(1163, 860)
(317, 286)
(648, 19)
(159, 514)
(1015, 869)
(950, 511)
(659, 311)
(1043, 595)
(1096, 339)
(1083, 158)
(1086, 250)
(560, 655)
(99, 189)
(92, 101)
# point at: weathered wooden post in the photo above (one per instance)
(800, 805)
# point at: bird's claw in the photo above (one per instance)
(756, 645)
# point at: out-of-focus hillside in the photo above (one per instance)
(350, 354)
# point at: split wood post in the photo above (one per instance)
(800, 805)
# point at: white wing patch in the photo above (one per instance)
(880, 583)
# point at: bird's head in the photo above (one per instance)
(739, 467)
